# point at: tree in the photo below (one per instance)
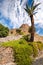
(3, 31)
(31, 12)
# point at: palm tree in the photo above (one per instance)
(31, 12)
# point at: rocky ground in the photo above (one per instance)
(10, 38)
(6, 56)
(38, 38)
(39, 60)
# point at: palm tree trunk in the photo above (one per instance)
(32, 29)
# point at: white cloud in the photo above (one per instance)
(39, 16)
(10, 9)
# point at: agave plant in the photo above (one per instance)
(31, 12)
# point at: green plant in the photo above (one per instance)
(22, 41)
(39, 42)
(40, 46)
(35, 48)
(3, 31)
(26, 37)
(19, 32)
(22, 55)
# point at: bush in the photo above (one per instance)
(39, 42)
(40, 46)
(19, 32)
(26, 37)
(22, 55)
(3, 31)
(22, 41)
(35, 49)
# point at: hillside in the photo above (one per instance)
(24, 30)
(18, 50)
(15, 34)
(21, 52)
(38, 38)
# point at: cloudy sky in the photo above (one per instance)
(13, 15)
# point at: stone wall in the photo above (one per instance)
(6, 56)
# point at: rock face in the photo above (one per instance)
(6, 56)
(38, 38)
(12, 31)
(25, 28)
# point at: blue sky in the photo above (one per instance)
(13, 15)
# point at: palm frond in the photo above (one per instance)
(35, 6)
(34, 13)
(28, 9)
(32, 4)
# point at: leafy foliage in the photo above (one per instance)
(3, 31)
(23, 55)
(40, 46)
(30, 10)
(26, 37)
(19, 31)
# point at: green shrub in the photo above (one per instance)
(35, 48)
(22, 41)
(40, 46)
(22, 55)
(26, 37)
(3, 31)
(39, 42)
(19, 32)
